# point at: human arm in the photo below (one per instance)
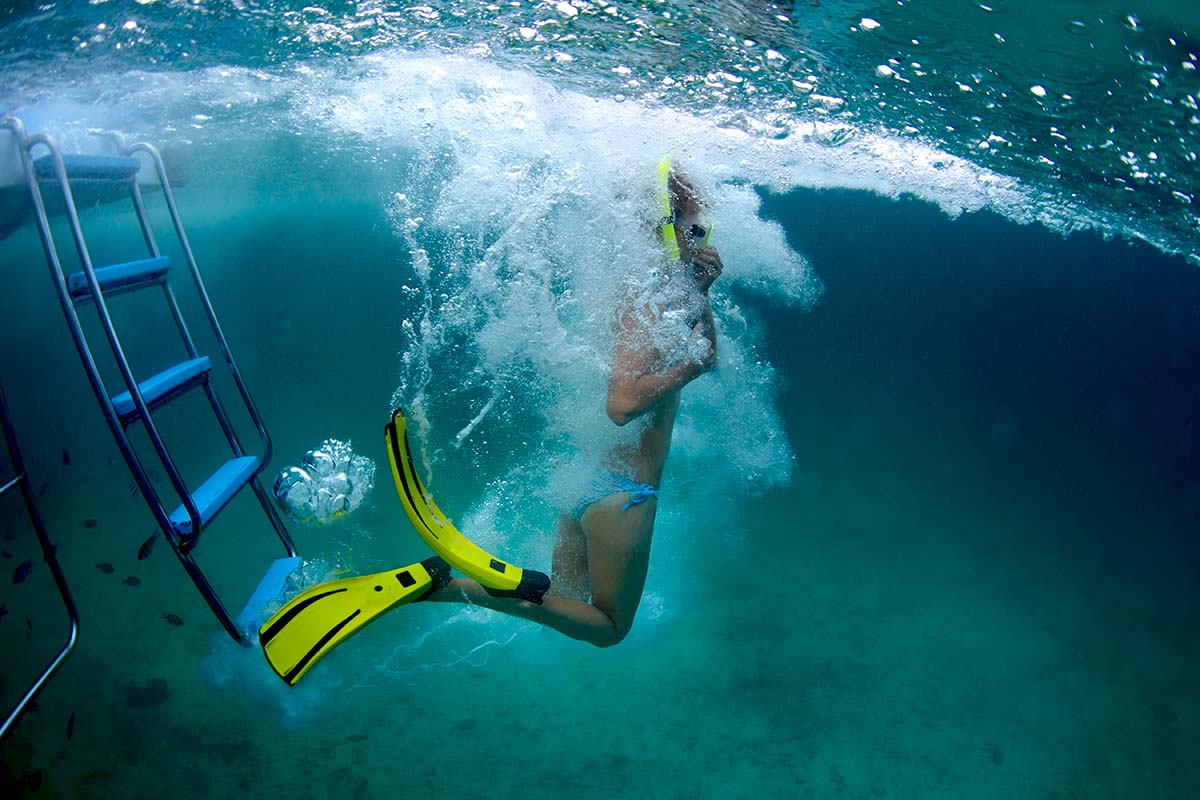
(634, 387)
(706, 267)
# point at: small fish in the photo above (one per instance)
(22, 571)
(132, 580)
(155, 475)
(174, 619)
(42, 489)
(133, 490)
(3, 611)
(90, 523)
(5, 553)
(106, 568)
(110, 461)
(71, 726)
(66, 458)
(8, 535)
(147, 546)
(29, 626)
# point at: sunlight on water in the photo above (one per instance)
(1093, 108)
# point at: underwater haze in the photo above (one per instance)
(931, 529)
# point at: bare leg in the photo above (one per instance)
(618, 555)
(569, 573)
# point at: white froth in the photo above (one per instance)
(549, 195)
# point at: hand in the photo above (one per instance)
(701, 349)
(707, 267)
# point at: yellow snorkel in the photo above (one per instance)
(666, 224)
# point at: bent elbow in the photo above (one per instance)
(621, 406)
(617, 412)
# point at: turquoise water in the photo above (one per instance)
(929, 531)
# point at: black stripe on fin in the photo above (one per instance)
(403, 460)
(266, 636)
(292, 674)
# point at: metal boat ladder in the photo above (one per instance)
(198, 507)
(20, 481)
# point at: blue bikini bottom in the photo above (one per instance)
(606, 484)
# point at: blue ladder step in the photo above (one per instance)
(164, 386)
(273, 582)
(110, 169)
(129, 275)
(214, 493)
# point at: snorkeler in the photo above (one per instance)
(603, 547)
(602, 551)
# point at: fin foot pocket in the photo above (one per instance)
(439, 573)
(533, 587)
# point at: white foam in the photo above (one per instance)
(530, 211)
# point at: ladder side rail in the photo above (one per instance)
(177, 316)
(231, 436)
(223, 419)
(48, 553)
(169, 197)
(264, 500)
(143, 216)
(135, 194)
(139, 206)
(110, 333)
(206, 590)
(214, 400)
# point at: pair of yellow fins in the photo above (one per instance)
(324, 616)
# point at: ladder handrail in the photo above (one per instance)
(60, 580)
(139, 207)
(169, 197)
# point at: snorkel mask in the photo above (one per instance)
(698, 234)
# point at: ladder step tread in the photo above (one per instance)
(120, 276)
(273, 582)
(215, 492)
(164, 385)
(89, 168)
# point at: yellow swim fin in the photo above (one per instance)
(323, 617)
(497, 577)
